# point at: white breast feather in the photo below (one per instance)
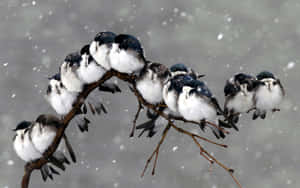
(151, 90)
(267, 100)
(90, 73)
(194, 108)
(124, 61)
(42, 138)
(25, 149)
(240, 102)
(70, 79)
(101, 55)
(170, 98)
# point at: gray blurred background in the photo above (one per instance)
(216, 38)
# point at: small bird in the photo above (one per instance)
(100, 48)
(268, 95)
(127, 54)
(179, 74)
(90, 71)
(26, 150)
(59, 97)
(239, 92)
(68, 72)
(150, 82)
(62, 100)
(44, 131)
(172, 87)
(197, 103)
(149, 85)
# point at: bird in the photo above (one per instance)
(149, 85)
(90, 71)
(172, 86)
(127, 54)
(43, 133)
(179, 74)
(100, 48)
(150, 82)
(62, 101)
(25, 149)
(68, 72)
(197, 103)
(239, 92)
(268, 94)
(57, 95)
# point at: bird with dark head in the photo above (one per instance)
(149, 84)
(197, 103)
(68, 72)
(100, 48)
(127, 54)
(44, 131)
(178, 74)
(239, 92)
(90, 71)
(268, 94)
(26, 149)
(60, 99)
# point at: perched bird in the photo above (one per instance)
(68, 72)
(100, 48)
(268, 95)
(179, 74)
(197, 103)
(239, 92)
(59, 97)
(150, 82)
(44, 131)
(172, 87)
(90, 71)
(62, 100)
(149, 85)
(26, 150)
(127, 54)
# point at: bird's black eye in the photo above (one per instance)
(274, 83)
(61, 84)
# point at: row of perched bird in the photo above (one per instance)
(177, 91)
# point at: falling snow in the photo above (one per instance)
(174, 148)
(220, 36)
(10, 162)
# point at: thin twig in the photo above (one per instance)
(135, 118)
(156, 151)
